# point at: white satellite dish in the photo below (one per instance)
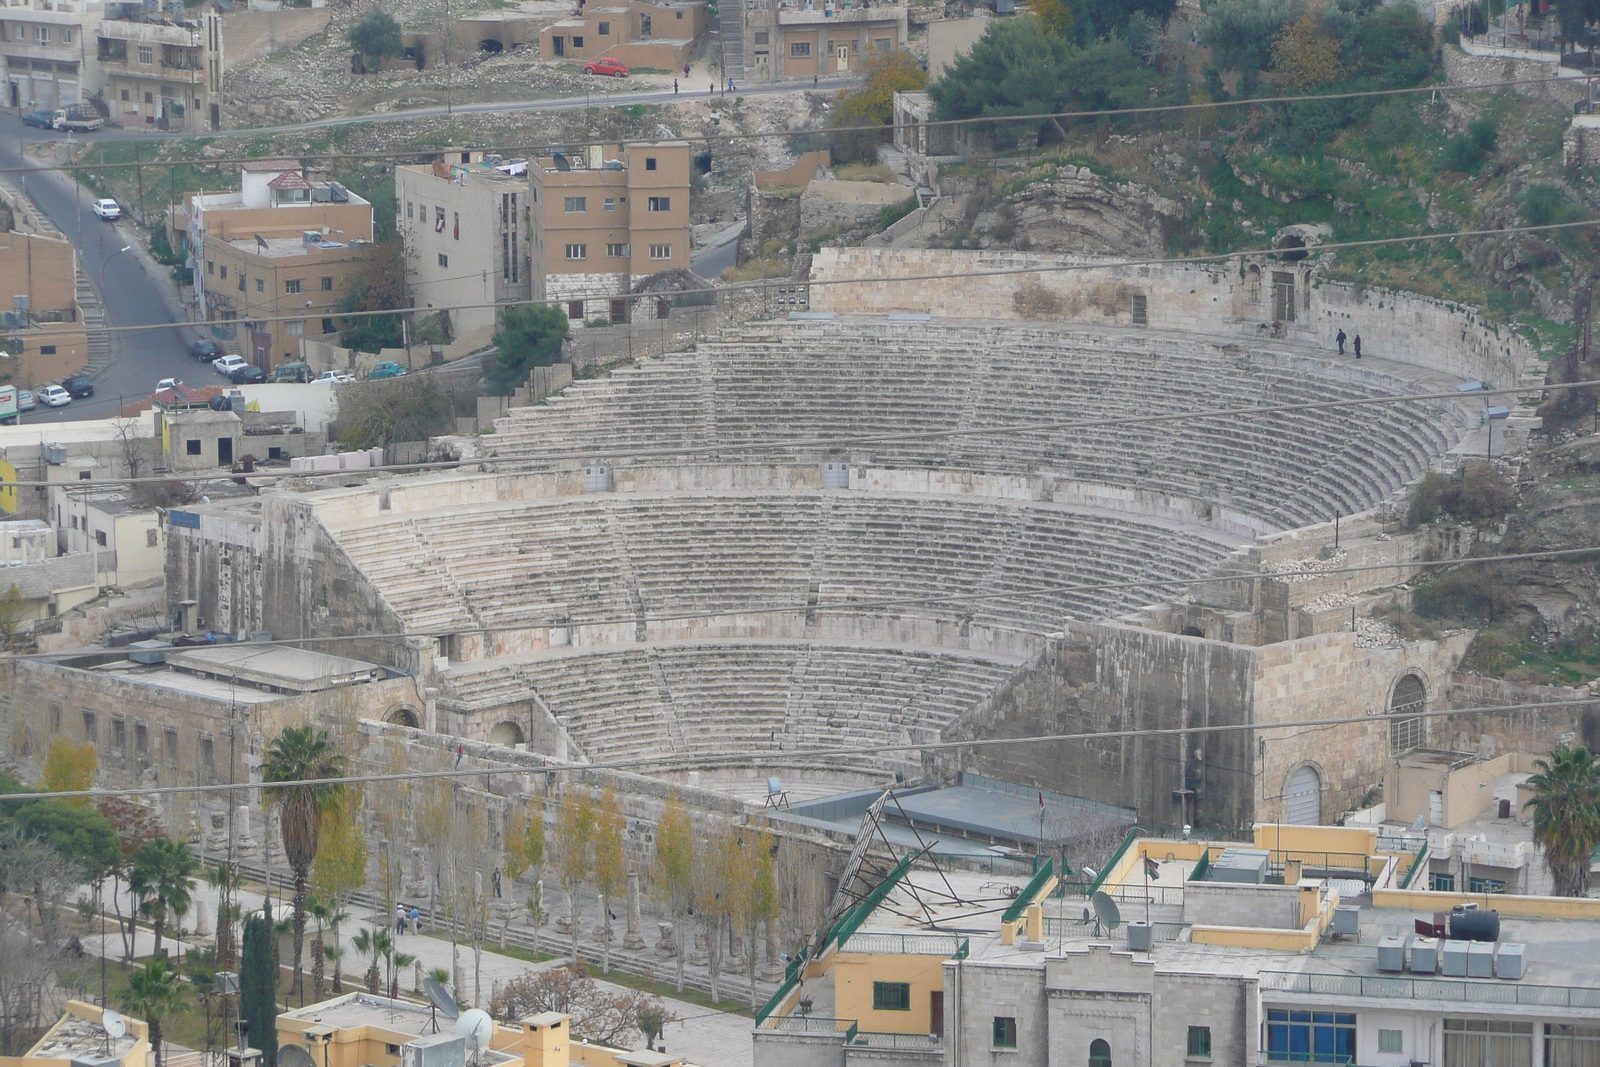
(476, 1027)
(113, 1024)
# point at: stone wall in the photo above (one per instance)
(1473, 64)
(1536, 730)
(1227, 300)
(1273, 907)
(773, 214)
(251, 35)
(842, 207)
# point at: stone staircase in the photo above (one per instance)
(94, 324)
(730, 16)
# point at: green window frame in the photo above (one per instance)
(1199, 1041)
(891, 996)
(1005, 1031)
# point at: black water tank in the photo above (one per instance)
(1475, 925)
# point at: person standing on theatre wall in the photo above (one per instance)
(1340, 340)
(1356, 344)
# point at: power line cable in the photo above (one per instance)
(774, 756)
(713, 138)
(1022, 593)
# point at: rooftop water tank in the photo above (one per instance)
(1475, 925)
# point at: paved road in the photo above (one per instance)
(128, 286)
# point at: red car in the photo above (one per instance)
(607, 65)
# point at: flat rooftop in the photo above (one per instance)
(400, 1017)
(283, 247)
(295, 670)
(84, 1040)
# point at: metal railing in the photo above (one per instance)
(883, 1039)
(1459, 990)
(1058, 929)
(908, 944)
(812, 1024)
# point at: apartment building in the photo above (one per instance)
(789, 39)
(639, 33)
(278, 256)
(466, 228)
(161, 73)
(43, 336)
(606, 217)
(48, 51)
(1308, 944)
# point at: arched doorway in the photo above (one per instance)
(404, 717)
(1302, 797)
(1410, 696)
(1099, 1053)
(507, 733)
(1192, 631)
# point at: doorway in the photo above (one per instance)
(842, 54)
(224, 451)
(1282, 296)
(936, 1012)
(559, 45)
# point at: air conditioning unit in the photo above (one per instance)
(1392, 955)
(1510, 960)
(55, 454)
(1347, 921)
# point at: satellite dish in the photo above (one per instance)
(295, 1056)
(441, 999)
(1105, 909)
(476, 1027)
(114, 1024)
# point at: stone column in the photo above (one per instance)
(634, 938)
(243, 842)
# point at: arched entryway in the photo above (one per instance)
(1099, 1053)
(403, 716)
(1410, 696)
(507, 733)
(1302, 797)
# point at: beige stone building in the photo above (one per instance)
(161, 73)
(784, 40)
(37, 274)
(283, 245)
(48, 52)
(605, 217)
(466, 230)
(639, 33)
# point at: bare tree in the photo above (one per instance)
(34, 882)
(607, 1018)
(131, 444)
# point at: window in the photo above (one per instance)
(207, 759)
(408, 210)
(1199, 1042)
(74, 522)
(659, 203)
(211, 268)
(438, 219)
(645, 27)
(444, 260)
(1141, 310)
(577, 251)
(575, 203)
(327, 285)
(1476, 884)
(649, 162)
(91, 728)
(891, 996)
(1487, 1043)
(1099, 1053)
(292, 285)
(1442, 883)
(327, 325)
(47, 350)
(152, 538)
(802, 50)
(241, 284)
(44, 34)
(577, 42)
(124, 94)
(763, 37)
(141, 741)
(147, 54)
(1005, 1031)
(274, 451)
(223, 273)
(1391, 1041)
(393, 1050)
(66, 36)
(455, 232)
(605, 29)
(149, 98)
(1406, 734)
(660, 251)
(574, 309)
(297, 328)
(192, 447)
(1571, 1045)
(119, 733)
(616, 251)
(882, 44)
(611, 203)
(100, 538)
(169, 745)
(1311, 1037)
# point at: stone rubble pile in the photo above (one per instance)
(1375, 633)
(1284, 569)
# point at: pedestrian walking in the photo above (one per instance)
(711, 90)
(674, 86)
(399, 918)
(1356, 344)
(416, 920)
(686, 70)
(813, 81)
(1340, 339)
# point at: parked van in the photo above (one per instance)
(291, 372)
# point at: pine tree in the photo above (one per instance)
(258, 986)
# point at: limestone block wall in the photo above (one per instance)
(1472, 64)
(837, 207)
(218, 564)
(1536, 731)
(1275, 907)
(1234, 300)
(978, 990)
(250, 35)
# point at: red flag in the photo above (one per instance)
(1041, 798)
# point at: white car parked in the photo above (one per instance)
(168, 383)
(338, 377)
(107, 209)
(225, 365)
(55, 396)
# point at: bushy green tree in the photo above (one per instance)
(1015, 70)
(527, 336)
(1544, 205)
(375, 37)
(163, 880)
(258, 986)
(1094, 20)
(82, 835)
(378, 284)
(1240, 32)
(873, 105)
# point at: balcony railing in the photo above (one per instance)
(1486, 991)
(913, 1042)
(907, 944)
(813, 1024)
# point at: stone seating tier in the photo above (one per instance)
(841, 380)
(685, 701)
(615, 556)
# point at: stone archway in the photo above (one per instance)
(1410, 694)
(1302, 797)
(508, 734)
(404, 716)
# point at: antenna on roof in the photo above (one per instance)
(441, 1000)
(261, 242)
(1105, 912)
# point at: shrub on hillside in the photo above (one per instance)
(1477, 493)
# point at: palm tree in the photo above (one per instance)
(335, 954)
(328, 917)
(301, 754)
(1566, 815)
(398, 962)
(375, 944)
(153, 994)
(162, 879)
